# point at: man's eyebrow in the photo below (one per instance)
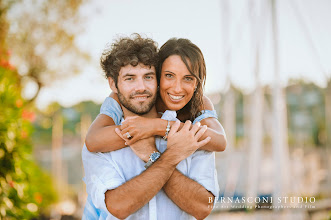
(128, 74)
(150, 73)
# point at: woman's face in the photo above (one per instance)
(177, 84)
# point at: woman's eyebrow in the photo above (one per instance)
(169, 71)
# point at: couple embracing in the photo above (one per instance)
(150, 152)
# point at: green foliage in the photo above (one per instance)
(25, 190)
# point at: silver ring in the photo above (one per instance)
(128, 135)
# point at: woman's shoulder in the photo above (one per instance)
(112, 108)
(208, 105)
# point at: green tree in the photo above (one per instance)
(25, 190)
(42, 40)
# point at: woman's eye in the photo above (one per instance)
(168, 75)
(189, 79)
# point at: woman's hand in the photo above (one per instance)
(138, 127)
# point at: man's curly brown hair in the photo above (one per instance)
(126, 51)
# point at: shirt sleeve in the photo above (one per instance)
(100, 175)
(203, 171)
(205, 114)
(111, 108)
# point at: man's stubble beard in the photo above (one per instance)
(139, 110)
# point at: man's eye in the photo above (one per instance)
(128, 79)
(149, 77)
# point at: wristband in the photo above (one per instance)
(152, 158)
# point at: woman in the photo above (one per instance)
(181, 76)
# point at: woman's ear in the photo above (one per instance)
(112, 85)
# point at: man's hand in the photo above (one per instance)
(142, 148)
(185, 142)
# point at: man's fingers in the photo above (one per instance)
(187, 125)
(201, 131)
(195, 127)
(174, 128)
(204, 142)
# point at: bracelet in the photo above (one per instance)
(167, 131)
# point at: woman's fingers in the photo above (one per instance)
(118, 132)
(127, 131)
(128, 121)
(132, 141)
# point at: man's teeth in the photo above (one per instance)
(140, 98)
(176, 97)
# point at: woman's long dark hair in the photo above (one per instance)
(192, 57)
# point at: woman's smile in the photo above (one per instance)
(177, 84)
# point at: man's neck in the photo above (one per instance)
(151, 114)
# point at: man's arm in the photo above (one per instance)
(135, 193)
(189, 195)
(186, 193)
(195, 192)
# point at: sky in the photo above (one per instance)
(222, 29)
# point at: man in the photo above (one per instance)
(178, 184)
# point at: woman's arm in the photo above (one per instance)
(101, 136)
(141, 127)
(215, 130)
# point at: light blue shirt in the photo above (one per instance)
(107, 171)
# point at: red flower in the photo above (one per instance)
(19, 103)
(38, 197)
(30, 116)
(11, 184)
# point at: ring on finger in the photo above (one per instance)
(128, 135)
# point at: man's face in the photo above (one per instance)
(137, 88)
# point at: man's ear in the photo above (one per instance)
(112, 85)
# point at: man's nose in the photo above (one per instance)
(140, 85)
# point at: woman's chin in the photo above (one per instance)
(174, 107)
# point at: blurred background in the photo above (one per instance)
(268, 75)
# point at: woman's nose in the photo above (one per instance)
(178, 86)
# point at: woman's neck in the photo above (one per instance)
(161, 107)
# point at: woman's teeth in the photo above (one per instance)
(176, 97)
